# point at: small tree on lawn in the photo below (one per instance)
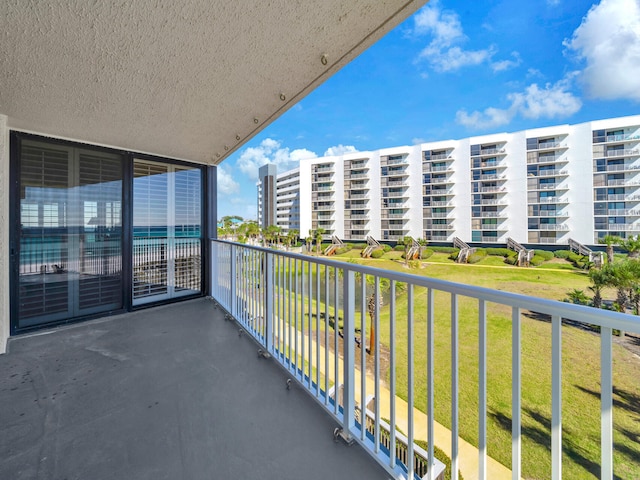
(609, 241)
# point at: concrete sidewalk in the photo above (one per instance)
(468, 455)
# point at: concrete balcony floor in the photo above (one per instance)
(169, 392)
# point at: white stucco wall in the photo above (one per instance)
(4, 233)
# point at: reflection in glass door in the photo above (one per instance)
(166, 231)
(70, 235)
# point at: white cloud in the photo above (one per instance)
(444, 52)
(270, 151)
(417, 140)
(226, 183)
(608, 40)
(502, 65)
(339, 150)
(550, 101)
(489, 118)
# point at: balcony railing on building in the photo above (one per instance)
(620, 152)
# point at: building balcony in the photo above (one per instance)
(428, 167)
(395, 183)
(492, 189)
(620, 152)
(621, 227)
(396, 173)
(403, 194)
(394, 161)
(168, 392)
(490, 151)
(622, 167)
(442, 156)
(439, 215)
(437, 238)
(131, 394)
(359, 175)
(550, 146)
(552, 173)
(492, 226)
(552, 200)
(558, 227)
(440, 203)
(357, 166)
(621, 138)
(357, 217)
(618, 212)
(491, 164)
(440, 192)
(551, 213)
(491, 176)
(358, 196)
(547, 159)
(325, 189)
(489, 215)
(325, 208)
(323, 168)
(492, 201)
(438, 226)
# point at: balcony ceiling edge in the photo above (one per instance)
(192, 80)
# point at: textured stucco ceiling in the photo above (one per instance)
(190, 79)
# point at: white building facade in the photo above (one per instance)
(538, 186)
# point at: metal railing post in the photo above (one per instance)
(349, 341)
(269, 291)
(232, 260)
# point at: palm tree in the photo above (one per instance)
(599, 280)
(292, 236)
(251, 230)
(384, 286)
(609, 241)
(319, 232)
(632, 246)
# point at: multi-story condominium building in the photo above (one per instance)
(540, 186)
(278, 198)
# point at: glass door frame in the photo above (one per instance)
(208, 213)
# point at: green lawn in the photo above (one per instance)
(581, 364)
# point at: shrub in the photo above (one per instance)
(537, 260)
(511, 259)
(386, 248)
(544, 254)
(426, 253)
(562, 254)
(499, 252)
(445, 249)
(478, 255)
(377, 253)
(399, 248)
(577, 259)
(343, 250)
(454, 256)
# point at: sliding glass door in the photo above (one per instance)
(70, 233)
(166, 231)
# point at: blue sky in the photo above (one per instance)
(456, 69)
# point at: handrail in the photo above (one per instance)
(283, 299)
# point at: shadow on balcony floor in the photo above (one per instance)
(166, 393)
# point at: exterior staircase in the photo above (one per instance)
(372, 244)
(465, 250)
(336, 243)
(524, 255)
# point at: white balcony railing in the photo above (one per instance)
(293, 306)
(619, 152)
